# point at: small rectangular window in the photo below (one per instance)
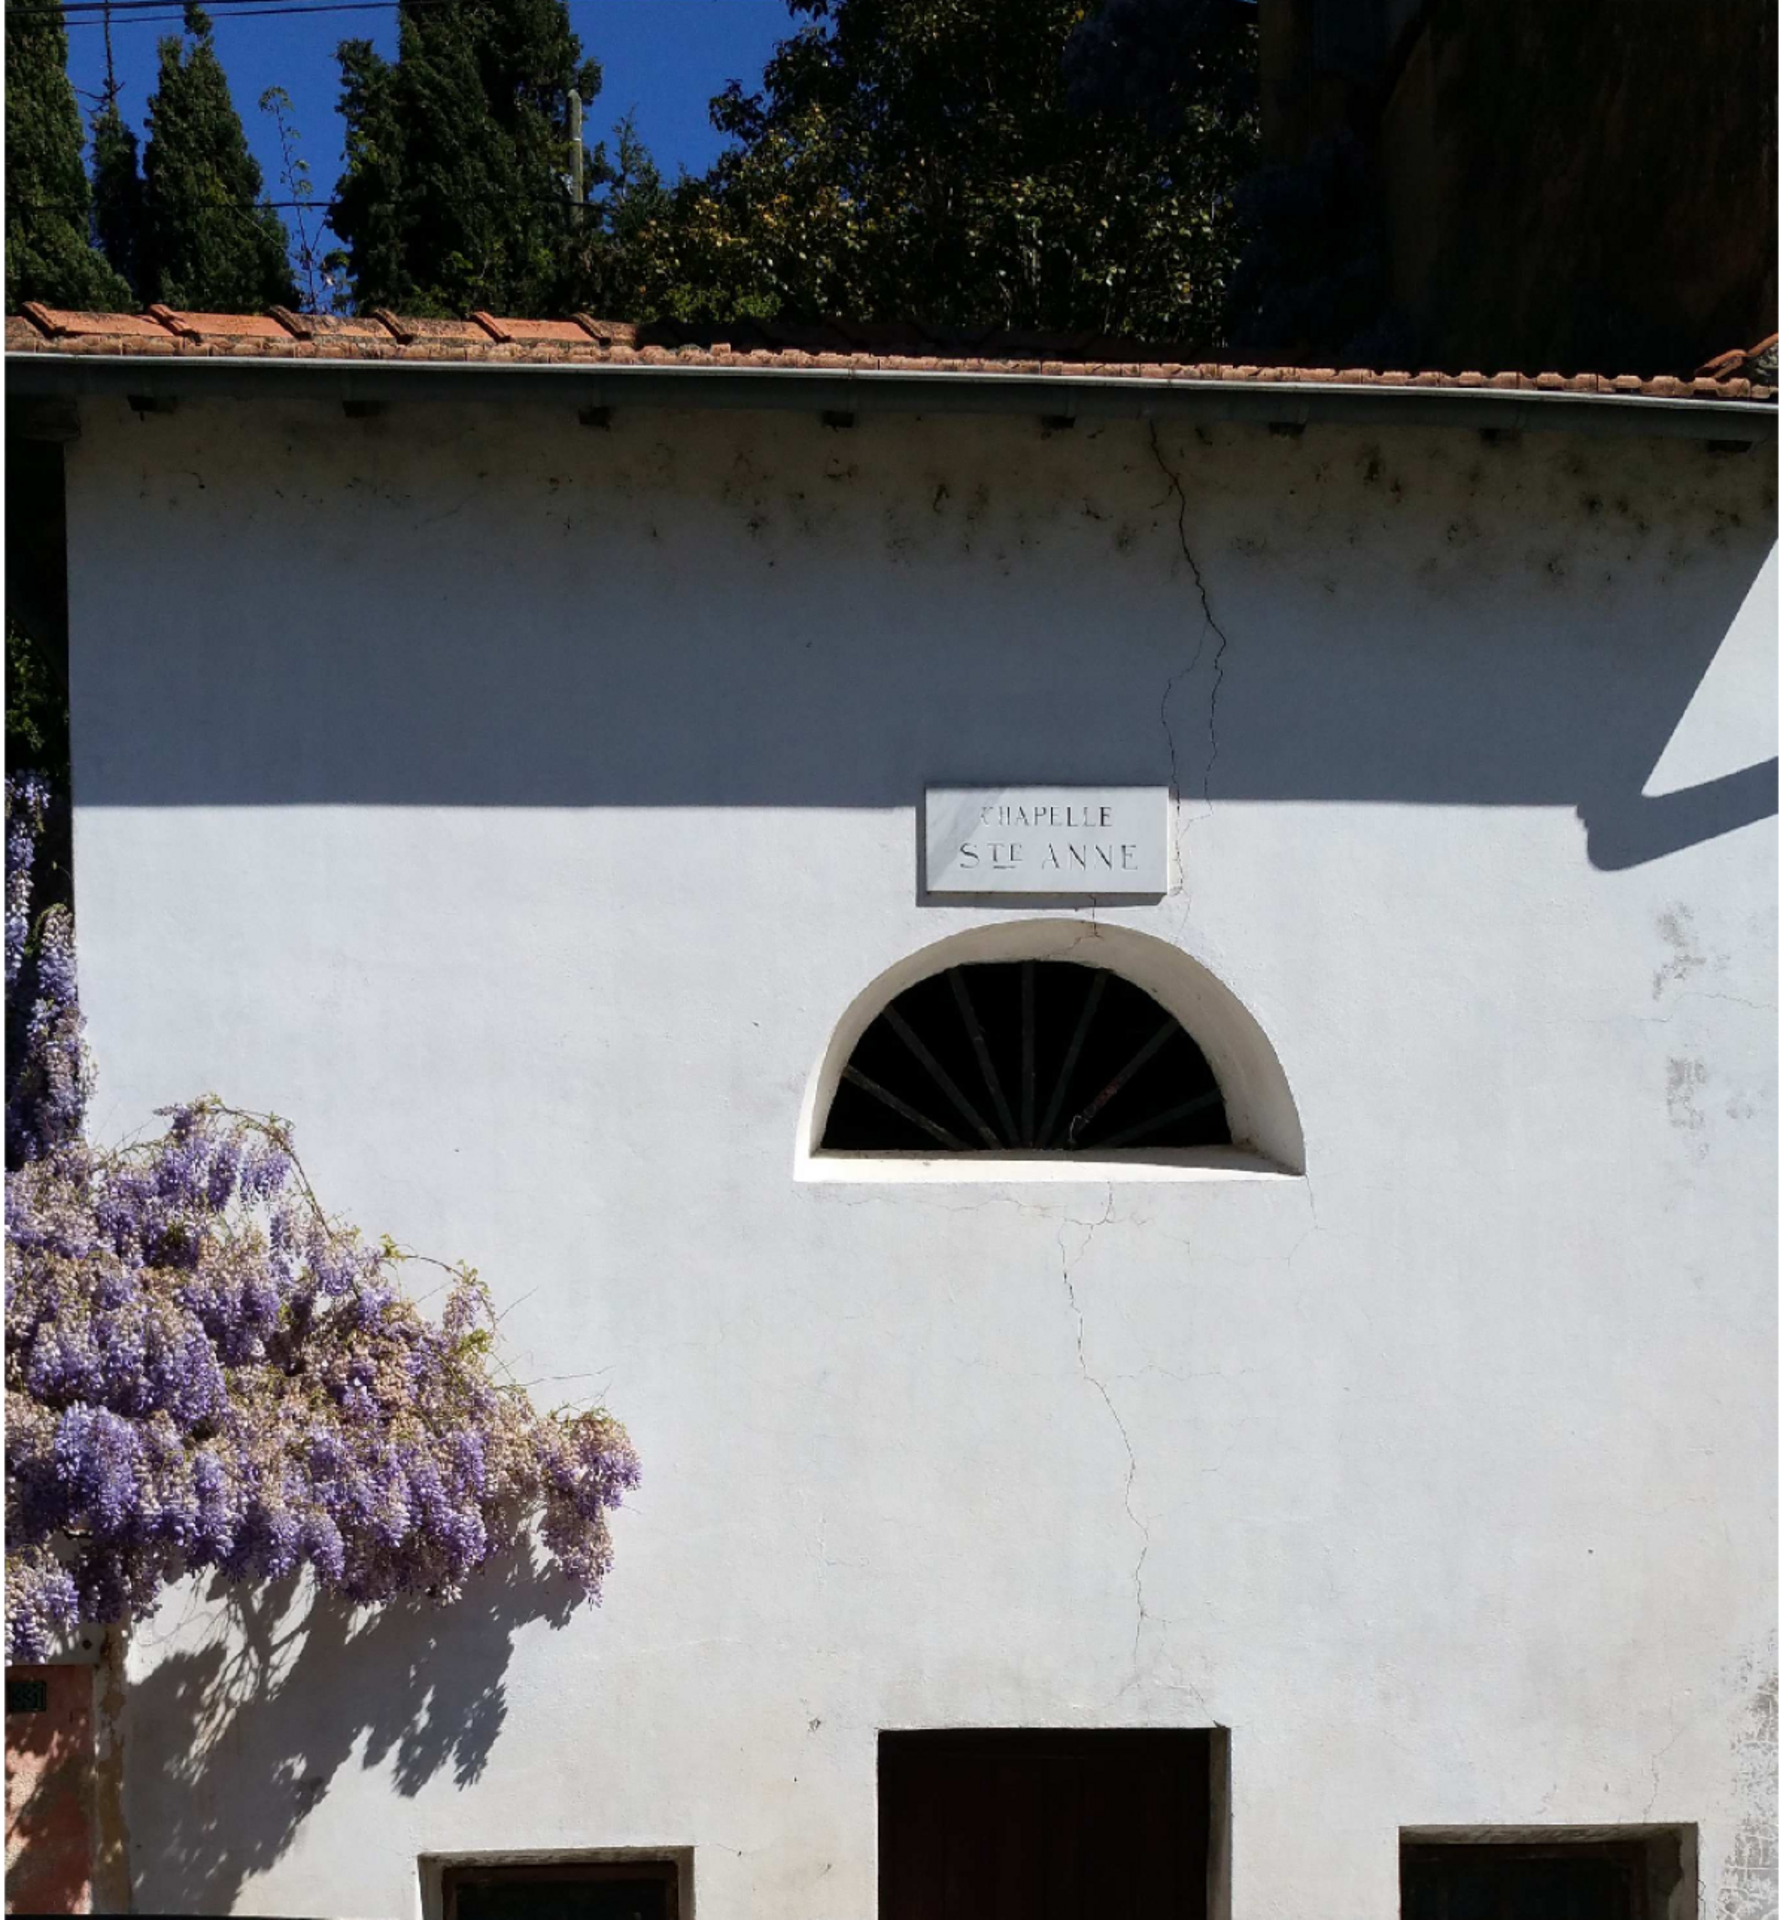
(632, 1889)
(1609, 1873)
(27, 1696)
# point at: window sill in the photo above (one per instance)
(1126, 1165)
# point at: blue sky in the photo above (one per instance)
(661, 58)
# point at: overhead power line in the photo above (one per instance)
(95, 13)
(310, 206)
(120, 8)
(198, 206)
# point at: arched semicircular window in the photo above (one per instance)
(1025, 1056)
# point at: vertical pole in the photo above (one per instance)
(577, 159)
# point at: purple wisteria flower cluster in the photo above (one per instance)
(204, 1370)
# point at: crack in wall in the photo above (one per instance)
(1655, 1766)
(1177, 491)
(1090, 1227)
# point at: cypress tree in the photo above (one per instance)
(118, 194)
(207, 241)
(455, 194)
(49, 256)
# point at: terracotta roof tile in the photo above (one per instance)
(585, 340)
(1730, 362)
(221, 329)
(366, 328)
(534, 332)
(411, 330)
(610, 333)
(61, 323)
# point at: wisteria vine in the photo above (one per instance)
(205, 1370)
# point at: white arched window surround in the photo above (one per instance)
(1258, 1101)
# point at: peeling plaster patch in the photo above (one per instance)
(1748, 1888)
(1676, 929)
(1683, 1080)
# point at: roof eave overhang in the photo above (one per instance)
(1064, 397)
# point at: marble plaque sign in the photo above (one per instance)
(1044, 840)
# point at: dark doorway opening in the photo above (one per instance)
(997, 1825)
(573, 1890)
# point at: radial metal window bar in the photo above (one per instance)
(1025, 1056)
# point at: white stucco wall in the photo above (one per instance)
(518, 807)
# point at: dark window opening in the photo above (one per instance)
(27, 1696)
(1108, 1825)
(1528, 1877)
(1025, 1055)
(568, 1890)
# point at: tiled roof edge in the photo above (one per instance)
(581, 339)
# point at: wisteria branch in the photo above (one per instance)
(205, 1369)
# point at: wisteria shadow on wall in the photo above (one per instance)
(286, 1688)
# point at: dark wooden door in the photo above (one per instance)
(1109, 1825)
